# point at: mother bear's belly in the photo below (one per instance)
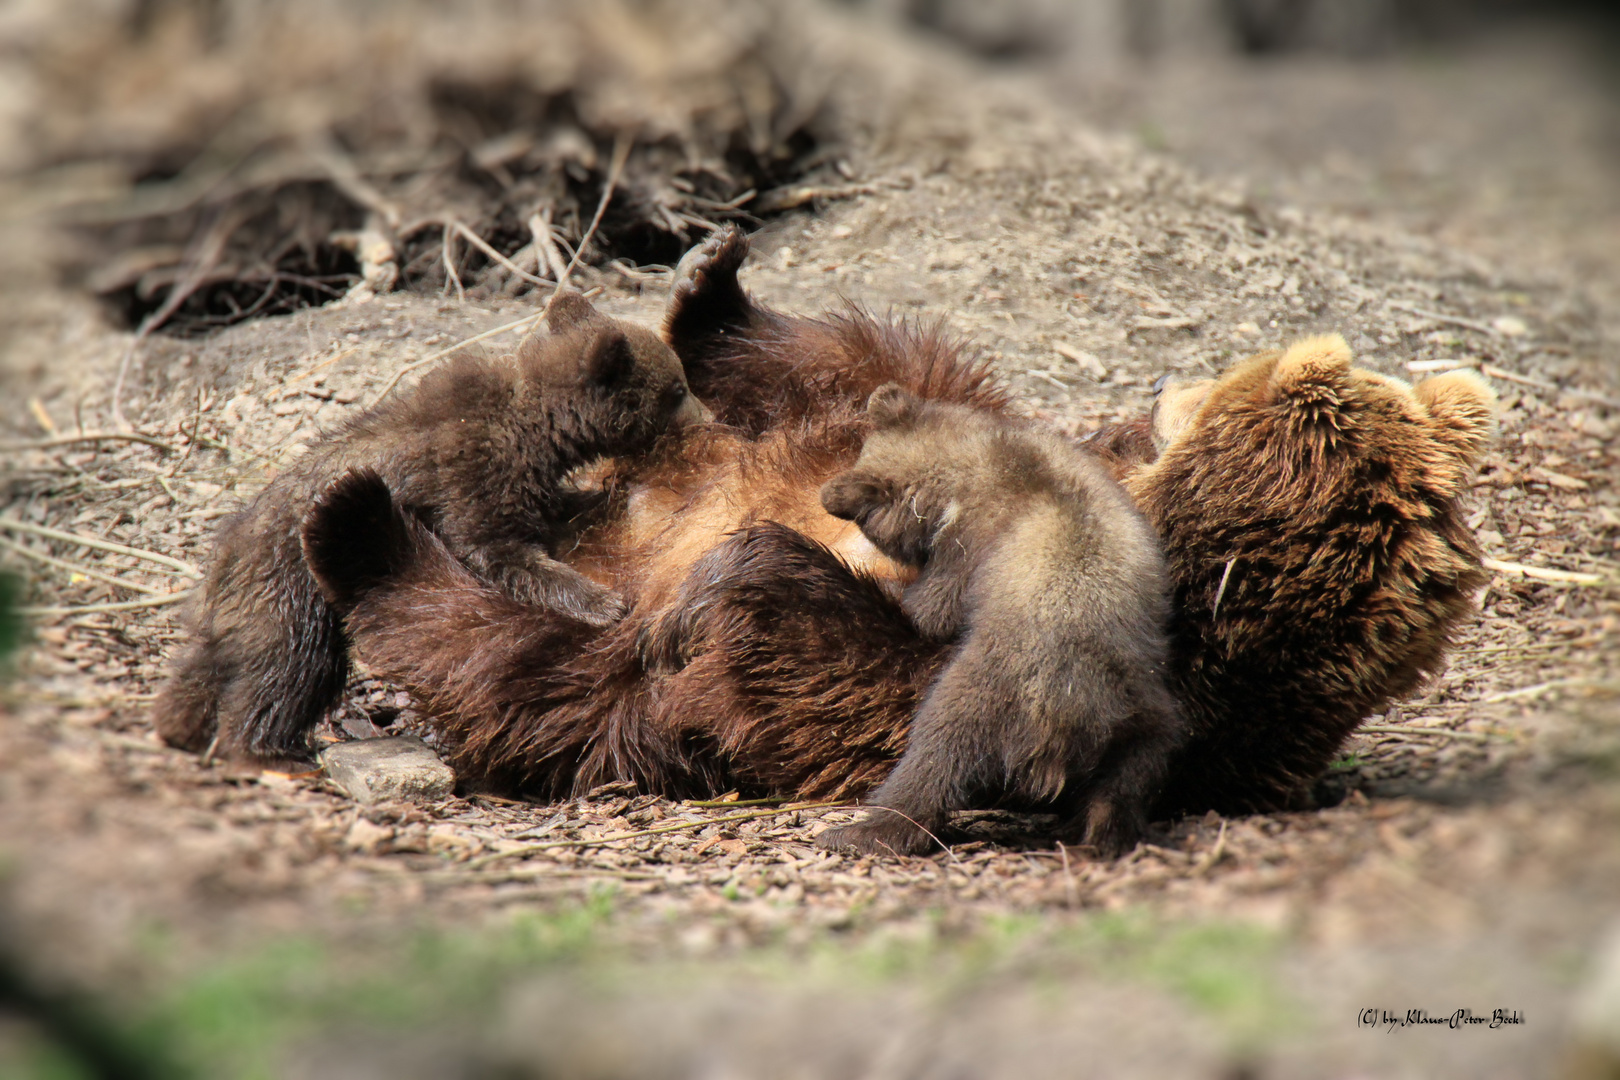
(675, 514)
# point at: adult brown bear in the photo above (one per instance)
(1308, 512)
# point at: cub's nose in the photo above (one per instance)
(1161, 382)
(691, 411)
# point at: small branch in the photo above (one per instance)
(63, 564)
(1569, 577)
(1552, 388)
(1453, 320)
(478, 242)
(621, 153)
(1420, 366)
(128, 605)
(450, 266)
(1216, 853)
(346, 177)
(546, 243)
(656, 831)
(1070, 887)
(1526, 647)
(89, 436)
(1545, 688)
(102, 545)
(1402, 729)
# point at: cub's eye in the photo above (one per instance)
(674, 395)
(1161, 382)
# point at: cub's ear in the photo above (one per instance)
(569, 311)
(852, 495)
(608, 359)
(1463, 407)
(890, 405)
(1312, 365)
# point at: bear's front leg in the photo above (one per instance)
(953, 755)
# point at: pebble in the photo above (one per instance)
(399, 767)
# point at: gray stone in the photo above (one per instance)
(399, 767)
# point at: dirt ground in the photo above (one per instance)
(1468, 851)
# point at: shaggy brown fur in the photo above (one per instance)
(1035, 562)
(480, 449)
(1331, 492)
(581, 719)
(1320, 561)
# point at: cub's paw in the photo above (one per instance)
(705, 298)
(881, 832)
(355, 537)
(530, 576)
(580, 598)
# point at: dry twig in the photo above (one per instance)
(1216, 853)
(1405, 729)
(1546, 688)
(75, 568)
(127, 605)
(478, 242)
(621, 153)
(103, 545)
(87, 437)
(1569, 577)
(1452, 320)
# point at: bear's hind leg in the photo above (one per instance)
(186, 712)
(278, 693)
(1113, 811)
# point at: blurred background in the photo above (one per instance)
(212, 160)
(1093, 191)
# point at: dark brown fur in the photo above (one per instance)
(1036, 565)
(1331, 492)
(479, 449)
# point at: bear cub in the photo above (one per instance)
(480, 450)
(1034, 560)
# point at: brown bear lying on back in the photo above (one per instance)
(480, 449)
(1307, 510)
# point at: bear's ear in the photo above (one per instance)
(608, 358)
(1463, 405)
(890, 405)
(852, 495)
(569, 311)
(1316, 362)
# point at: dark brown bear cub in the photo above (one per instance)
(479, 450)
(1037, 563)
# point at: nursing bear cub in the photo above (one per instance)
(1307, 511)
(1035, 563)
(480, 449)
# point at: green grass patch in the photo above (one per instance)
(238, 1017)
